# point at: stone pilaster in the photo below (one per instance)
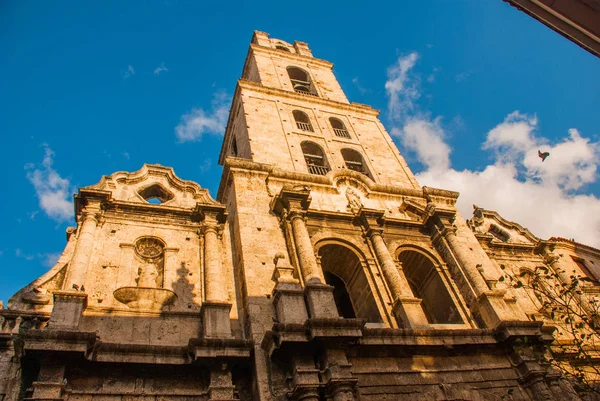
(406, 308)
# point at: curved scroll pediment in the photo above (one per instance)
(154, 184)
(502, 230)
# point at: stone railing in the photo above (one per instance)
(11, 322)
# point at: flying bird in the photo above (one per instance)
(543, 155)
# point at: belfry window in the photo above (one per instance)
(301, 81)
(339, 128)
(354, 161)
(302, 120)
(315, 158)
(426, 283)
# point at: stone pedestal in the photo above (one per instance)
(67, 310)
(288, 300)
(320, 301)
(492, 309)
(221, 387)
(288, 296)
(409, 313)
(215, 320)
(305, 379)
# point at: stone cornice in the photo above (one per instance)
(291, 56)
(356, 107)
(149, 209)
(559, 242)
(271, 171)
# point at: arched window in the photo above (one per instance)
(426, 283)
(315, 158)
(282, 47)
(352, 292)
(302, 120)
(339, 128)
(301, 81)
(354, 161)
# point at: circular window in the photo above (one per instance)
(149, 247)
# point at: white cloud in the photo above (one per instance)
(462, 76)
(541, 196)
(129, 72)
(47, 259)
(53, 191)
(360, 88)
(205, 166)
(20, 254)
(160, 69)
(426, 138)
(199, 122)
(50, 259)
(401, 90)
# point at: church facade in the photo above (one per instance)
(321, 270)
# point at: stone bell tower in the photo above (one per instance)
(322, 272)
(334, 241)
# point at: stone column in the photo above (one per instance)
(467, 261)
(406, 308)
(564, 271)
(214, 287)
(486, 303)
(293, 204)
(83, 249)
(311, 272)
(70, 303)
(216, 307)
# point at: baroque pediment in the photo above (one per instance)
(153, 184)
(490, 223)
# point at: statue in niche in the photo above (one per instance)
(151, 252)
(149, 293)
(354, 201)
(147, 276)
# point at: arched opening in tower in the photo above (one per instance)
(426, 283)
(301, 81)
(352, 292)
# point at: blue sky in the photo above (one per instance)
(89, 88)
